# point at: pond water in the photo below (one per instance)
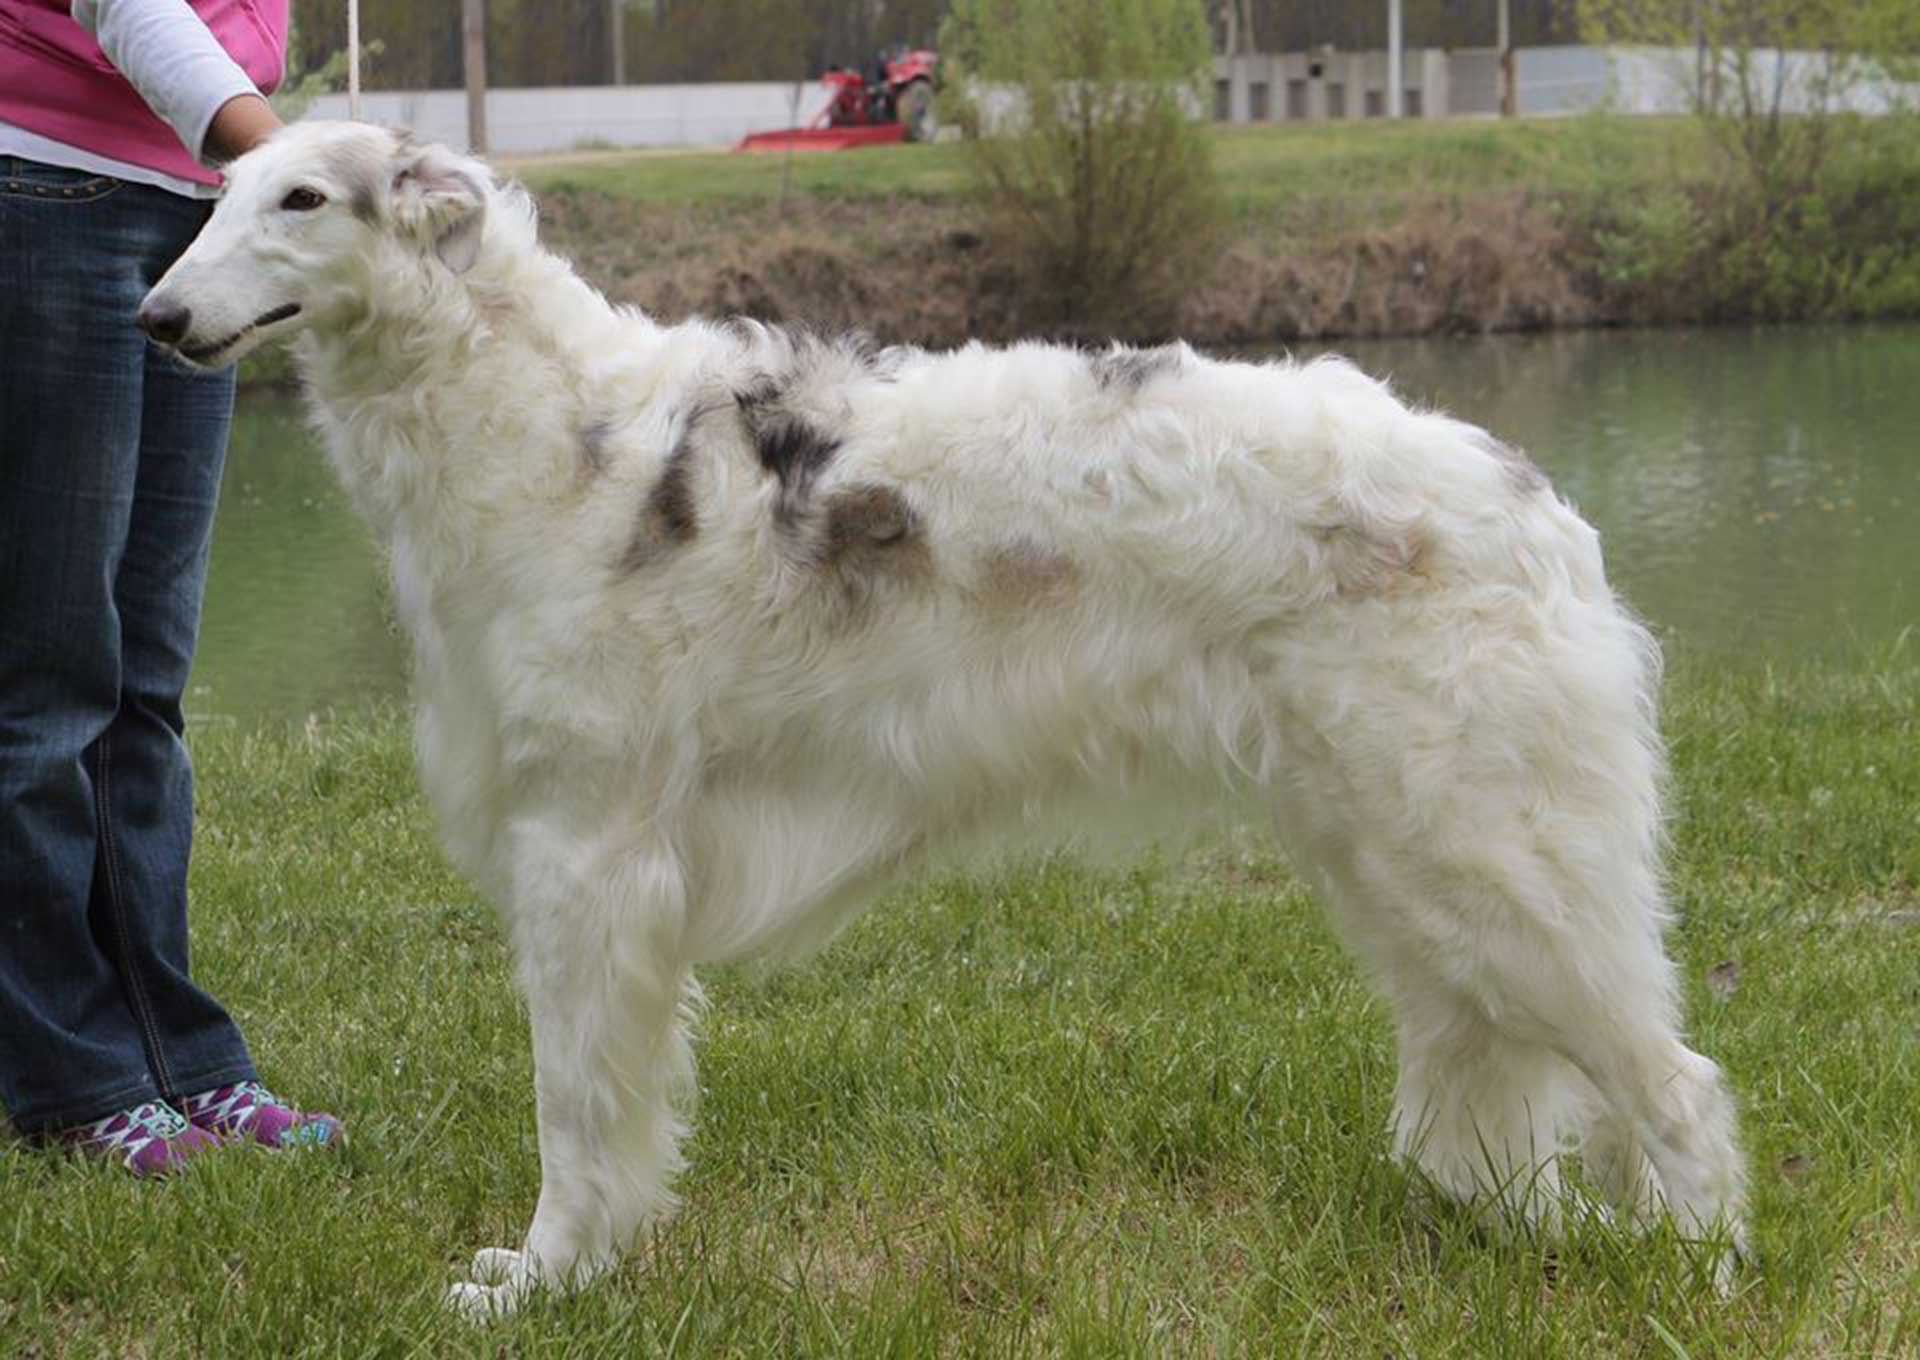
(1755, 492)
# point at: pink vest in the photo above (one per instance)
(55, 80)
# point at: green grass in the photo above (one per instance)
(1262, 168)
(1048, 1110)
(708, 177)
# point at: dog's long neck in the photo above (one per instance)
(437, 408)
(451, 421)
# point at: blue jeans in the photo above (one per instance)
(110, 458)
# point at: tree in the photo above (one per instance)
(1772, 115)
(1099, 179)
(1807, 195)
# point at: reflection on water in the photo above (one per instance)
(1753, 490)
(296, 618)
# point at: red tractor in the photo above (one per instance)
(892, 101)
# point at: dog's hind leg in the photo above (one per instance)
(1482, 1114)
(1513, 1010)
(1522, 953)
(1570, 975)
(1669, 1114)
(1617, 1165)
(1665, 1107)
(610, 1005)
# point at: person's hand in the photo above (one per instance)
(239, 125)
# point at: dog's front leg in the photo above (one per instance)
(610, 1006)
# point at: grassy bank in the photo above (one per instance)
(1262, 167)
(1367, 229)
(1044, 1111)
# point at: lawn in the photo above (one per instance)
(1261, 168)
(1046, 1110)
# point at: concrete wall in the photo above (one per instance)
(562, 119)
(1548, 81)
(1551, 80)
(1311, 86)
(1665, 80)
(1474, 80)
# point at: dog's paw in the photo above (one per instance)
(1734, 1259)
(482, 1303)
(498, 1265)
(501, 1281)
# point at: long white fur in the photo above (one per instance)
(1271, 588)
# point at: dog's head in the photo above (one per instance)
(320, 219)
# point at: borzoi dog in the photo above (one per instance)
(719, 628)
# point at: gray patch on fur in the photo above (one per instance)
(361, 175)
(885, 363)
(871, 539)
(796, 377)
(1521, 473)
(668, 516)
(1374, 564)
(866, 516)
(1024, 574)
(882, 363)
(785, 443)
(670, 503)
(743, 330)
(1129, 370)
(593, 445)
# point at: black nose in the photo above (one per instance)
(165, 321)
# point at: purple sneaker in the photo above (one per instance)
(149, 1140)
(249, 1112)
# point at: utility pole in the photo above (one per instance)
(617, 38)
(473, 33)
(1509, 101)
(1396, 60)
(353, 60)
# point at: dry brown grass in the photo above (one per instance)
(929, 273)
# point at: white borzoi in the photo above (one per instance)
(718, 628)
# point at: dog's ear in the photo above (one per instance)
(441, 198)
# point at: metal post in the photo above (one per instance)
(1509, 100)
(1396, 76)
(617, 38)
(353, 60)
(473, 30)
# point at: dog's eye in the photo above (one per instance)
(302, 199)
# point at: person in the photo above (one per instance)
(113, 115)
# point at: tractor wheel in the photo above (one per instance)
(914, 107)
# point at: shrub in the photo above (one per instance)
(1808, 211)
(1098, 179)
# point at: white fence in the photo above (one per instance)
(1440, 83)
(566, 118)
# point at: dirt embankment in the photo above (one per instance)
(917, 272)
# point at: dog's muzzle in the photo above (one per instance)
(167, 323)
